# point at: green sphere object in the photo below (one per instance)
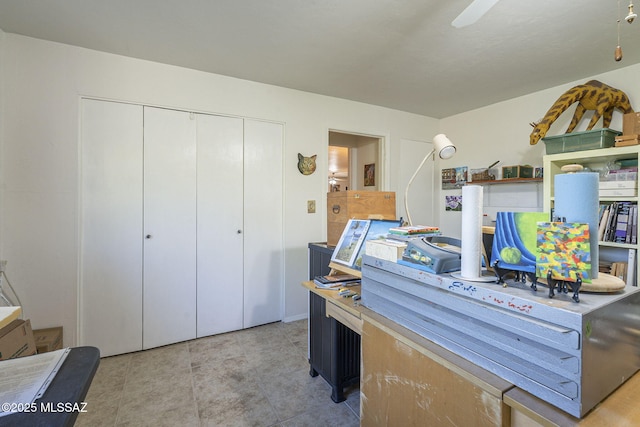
(511, 255)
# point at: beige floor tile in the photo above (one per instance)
(213, 349)
(183, 416)
(296, 393)
(336, 415)
(246, 406)
(255, 377)
(143, 397)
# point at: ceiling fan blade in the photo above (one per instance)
(473, 12)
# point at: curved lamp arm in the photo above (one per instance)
(445, 149)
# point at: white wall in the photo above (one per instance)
(501, 132)
(43, 83)
(2, 114)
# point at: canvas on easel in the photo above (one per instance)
(350, 242)
(514, 241)
(563, 249)
(378, 230)
(351, 246)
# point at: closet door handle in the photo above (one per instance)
(239, 231)
(148, 236)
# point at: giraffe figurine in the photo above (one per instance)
(593, 95)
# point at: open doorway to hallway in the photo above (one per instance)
(355, 162)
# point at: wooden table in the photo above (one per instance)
(619, 409)
(345, 310)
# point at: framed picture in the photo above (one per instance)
(370, 175)
(538, 173)
(453, 178)
(351, 245)
(453, 203)
(378, 230)
(350, 242)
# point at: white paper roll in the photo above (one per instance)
(576, 200)
(471, 242)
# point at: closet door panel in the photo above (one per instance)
(169, 284)
(111, 227)
(263, 246)
(220, 224)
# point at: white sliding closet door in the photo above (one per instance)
(169, 283)
(220, 224)
(181, 225)
(263, 247)
(111, 233)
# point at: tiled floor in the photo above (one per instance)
(254, 377)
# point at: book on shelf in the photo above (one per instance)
(631, 268)
(622, 218)
(634, 226)
(618, 222)
(619, 270)
(604, 219)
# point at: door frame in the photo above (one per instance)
(382, 157)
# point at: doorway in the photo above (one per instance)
(355, 162)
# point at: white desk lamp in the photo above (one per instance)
(445, 149)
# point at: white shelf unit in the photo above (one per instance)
(593, 159)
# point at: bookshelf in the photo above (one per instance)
(594, 160)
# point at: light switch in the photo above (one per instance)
(311, 206)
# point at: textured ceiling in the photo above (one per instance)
(398, 54)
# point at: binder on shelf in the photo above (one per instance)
(622, 218)
(631, 268)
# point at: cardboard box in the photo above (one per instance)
(511, 172)
(631, 124)
(610, 185)
(16, 340)
(618, 192)
(626, 140)
(49, 339)
(345, 205)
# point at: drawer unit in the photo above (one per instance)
(345, 205)
(569, 354)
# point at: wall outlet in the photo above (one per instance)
(311, 206)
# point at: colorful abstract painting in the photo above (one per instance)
(563, 248)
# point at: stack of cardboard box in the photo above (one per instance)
(630, 130)
(16, 340)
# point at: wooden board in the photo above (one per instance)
(403, 385)
(345, 205)
(619, 409)
(605, 283)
